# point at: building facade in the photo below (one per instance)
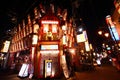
(42, 38)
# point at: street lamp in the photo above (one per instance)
(105, 38)
(80, 29)
(106, 34)
(100, 32)
(103, 33)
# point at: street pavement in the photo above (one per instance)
(103, 72)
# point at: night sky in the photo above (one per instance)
(93, 15)
(92, 12)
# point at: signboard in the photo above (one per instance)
(48, 68)
(112, 28)
(24, 70)
(87, 46)
(82, 37)
(114, 33)
(6, 46)
(46, 47)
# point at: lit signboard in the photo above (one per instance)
(49, 22)
(49, 47)
(49, 51)
(112, 28)
(48, 68)
(82, 37)
(35, 39)
(54, 28)
(46, 28)
(24, 70)
(87, 46)
(114, 33)
(6, 46)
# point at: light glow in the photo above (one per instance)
(49, 22)
(64, 27)
(81, 38)
(24, 70)
(65, 40)
(100, 32)
(54, 28)
(109, 21)
(53, 73)
(72, 50)
(33, 50)
(80, 29)
(46, 28)
(6, 46)
(114, 33)
(35, 39)
(119, 10)
(106, 34)
(112, 28)
(48, 68)
(45, 47)
(87, 47)
(36, 27)
(50, 51)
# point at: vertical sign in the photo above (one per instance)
(48, 68)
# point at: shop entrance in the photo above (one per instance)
(48, 68)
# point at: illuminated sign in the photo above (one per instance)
(87, 46)
(46, 28)
(54, 28)
(65, 40)
(82, 37)
(64, 27)
(6, 46)
(24, 70)
(114, 33)
(48, 68)
(50, 51)
(44, 47)
(112, 28)
(35, 28)
(109, 21)
(49, 22)
(35, 39)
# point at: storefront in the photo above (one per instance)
(47, 58)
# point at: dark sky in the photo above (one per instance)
(9, 10)
(92, 12)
